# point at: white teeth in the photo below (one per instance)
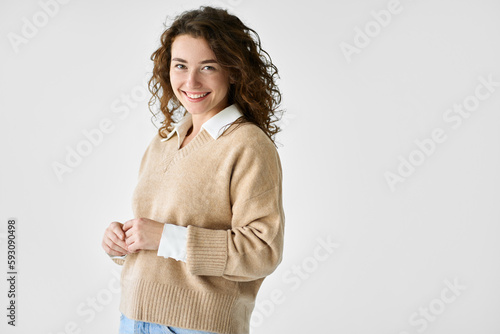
(196, 96)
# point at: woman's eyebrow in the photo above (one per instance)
(208, 61)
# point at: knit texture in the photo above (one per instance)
(228, 193)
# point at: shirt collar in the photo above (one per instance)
(213, 126)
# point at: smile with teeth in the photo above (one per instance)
(196, 96)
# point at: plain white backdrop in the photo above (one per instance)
(390, 151)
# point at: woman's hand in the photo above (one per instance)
(142, 233)
(113, 241)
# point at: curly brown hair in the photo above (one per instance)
(238, 50)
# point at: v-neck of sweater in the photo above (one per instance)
(201, 138)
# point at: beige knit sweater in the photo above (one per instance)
(228, 193)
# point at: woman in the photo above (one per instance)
(209, 220)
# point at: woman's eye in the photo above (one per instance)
(210, 68)
(179, 66)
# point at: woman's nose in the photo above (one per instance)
(193, 80)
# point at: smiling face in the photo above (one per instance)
(198, 81)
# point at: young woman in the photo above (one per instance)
(209, 220)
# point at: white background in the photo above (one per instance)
(350, 121)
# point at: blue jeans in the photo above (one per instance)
(129, 326)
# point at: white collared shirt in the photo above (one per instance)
(213, 126)
(174, 237)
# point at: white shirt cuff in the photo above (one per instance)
(118, 256)
(173, 242)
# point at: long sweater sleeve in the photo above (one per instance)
(253, 247)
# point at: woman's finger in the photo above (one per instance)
(117, 240)
(118, 231)
(115, 247)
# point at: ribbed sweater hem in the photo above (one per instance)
(178, 307)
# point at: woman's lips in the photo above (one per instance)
(195, 96)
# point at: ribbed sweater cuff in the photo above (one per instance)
(119, 261)
(206, 251)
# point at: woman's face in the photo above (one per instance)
(198, 81)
